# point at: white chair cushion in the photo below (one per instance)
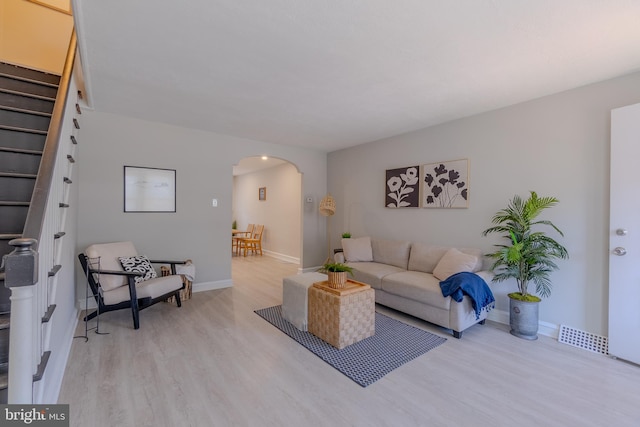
(109, 254)
(149, 288)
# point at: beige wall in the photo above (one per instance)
(557, 145)
(204, 167)
(34, 36)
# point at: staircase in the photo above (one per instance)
(27, 98)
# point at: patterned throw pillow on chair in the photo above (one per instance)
(138, 264)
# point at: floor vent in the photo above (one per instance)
(585, 340)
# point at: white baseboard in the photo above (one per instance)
(90, 305)
(498, 316)
(544, 328)
(309, 269)
(282, 257)
(209, 286)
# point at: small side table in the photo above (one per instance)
(343, 316)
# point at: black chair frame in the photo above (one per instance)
(136, 304)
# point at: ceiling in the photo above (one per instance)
(255, 164)
(329, 74)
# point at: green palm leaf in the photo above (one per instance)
(530, 255)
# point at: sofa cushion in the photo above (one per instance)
(425, 257)
(454, 262)
(357, 250)
(372, 273)
(395, 253)
(417, 286)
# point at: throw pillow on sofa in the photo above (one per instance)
(454, 262)
(357, 250)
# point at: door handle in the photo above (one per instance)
(619, 251)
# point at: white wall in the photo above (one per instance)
(557, 146)
(280, 212)
(204, 169)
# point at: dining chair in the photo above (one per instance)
(253, 243)
(236, 236)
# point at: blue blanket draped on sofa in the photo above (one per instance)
(472, 285)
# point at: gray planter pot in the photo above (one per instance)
(523, 319)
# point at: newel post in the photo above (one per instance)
(21, 274)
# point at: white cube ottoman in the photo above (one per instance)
(294, 297)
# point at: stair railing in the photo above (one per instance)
(35, 254)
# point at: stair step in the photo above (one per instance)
(4, 345)
(22, 162)
(18, 189)
(4, 376)
(18, 119)
(16, 70)
(11, 138)
(14, 215)
(28, 86)
(25, 111)
(25, 130)
(23, 94)
(55, 270)
(18, 175)
(49, 313)
(21, 151)
(5, 320)
(13, 203)
(9, 236)
(24, 101)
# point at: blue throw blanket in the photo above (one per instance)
(472, 285)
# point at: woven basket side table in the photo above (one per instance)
(342, 319)
(185, 293)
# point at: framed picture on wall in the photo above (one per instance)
(446, 184)
(262, 193)
(402, 187)
(149, 189)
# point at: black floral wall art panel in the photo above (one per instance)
(446, 184)
(402, 187)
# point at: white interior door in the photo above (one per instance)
(624, 240)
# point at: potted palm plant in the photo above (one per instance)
(528, 257)
(336, 273)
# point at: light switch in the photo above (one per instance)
(214, 203)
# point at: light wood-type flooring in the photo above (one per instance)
(214, 362)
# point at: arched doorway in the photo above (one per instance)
(268, 191)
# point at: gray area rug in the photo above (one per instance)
(365, 362)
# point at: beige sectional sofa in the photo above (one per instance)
(406, 276)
